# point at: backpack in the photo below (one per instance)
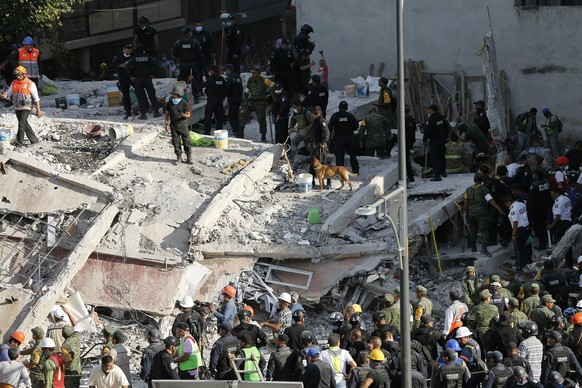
(521, 121)
(477, 365)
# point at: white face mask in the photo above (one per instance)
(198, 28)
(278, 91)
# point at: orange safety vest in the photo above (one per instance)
(29, 60)
(59, 376)
(21, 95)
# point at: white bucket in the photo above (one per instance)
(120, 132)
(5, 136)
(73, 101)
(221, 139)
(305, 182)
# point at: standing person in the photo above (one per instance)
(526, 127)
(562, 213)
(147, 36)
(301, 122)
(176, 114)
(227, 310)
(280, 63)
(378, 375)
(59, 317)
(155, 346)
(255, 100)
(422, 306)
(163, 367)
(6, 68)
(24, 96)
(498, 373)
(303, 41)
(300, 74)
(191, 317)
(35, 353)
(120, 62)
(107, 375)
(280, 367)
(318, 95)
(531, 348)
(559, 358)
(142, 68)
(450, 374)
(520, 230)
(12, 372)
(542, 314)
(500, 188)
(472, 285)
(552, 128)
(374, 134)
(224, 346)
(71, 351)
(206, 42)
(317, 374)
(338, 359)
(386, 102)
(258, 336)
(472, 133)
(108, 337)
(539, 203)
(53, 364)
(189, 357)
(323, 71)
(476, 199)
(249, 351)
(284, 318)
(485, 314)
(280, 112)
(215, 90)
(235, 40)
(121, 353)
(319, 140)
(480, 118)
(294, 331)
(410, 125)
(453, 313)
(29, 58)
(436, 133)
(188, 54)
(234, 96)
(342, 126)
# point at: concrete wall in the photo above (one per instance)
(536, 46)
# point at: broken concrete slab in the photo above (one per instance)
(223, 271)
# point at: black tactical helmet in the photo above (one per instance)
(243, 315)
(468, 319)
(306, 338)
(186, 30)
(336, 317)
(171, 340)
(143, 20)
(519, 372)
(154, 334)
(307, 29)
(378, 316)
(557, 320)
(356, 319)
(528, 328)
(298, 314)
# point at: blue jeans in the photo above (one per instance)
(553, 145)
(523, 142)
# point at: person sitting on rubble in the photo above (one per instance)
(455, 156)
(284, 319)
(190, 316)
(246, 327)
(227, 310)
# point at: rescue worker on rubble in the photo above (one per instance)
(234, 96)
(486, 315)
(539, 203)
(427, 335)
(301, 121)
(385, 102)
(498, 373)
(190, 316)
(472, 285)
(280, 63)
(520, 230)
(497, 299)
(542, 314)
(255, 100)
(359, 374)
(120, 61)
(71, 351)
(120, 353)
(215, 90)
(300, 74)
(16, 339)
(279, 367)
(29, 58)
(294, 331)
(514, 359)
(374, 134)
(147, 36)
(249, 351)
(280, 114)
(454, 152)
(142, 68)
(453, 313)
(533, 300)
(480, 118)
(552, 279)
(177, 113)
(246, 327)
(12, 372)
(234, 41)
(356, 322)
(188, 54)
(53, 364)
(531, 348)
(155, 346)
(189, 357)
(284, 319)
(559, 358)
(423, 306)
(59, 317)
(450, 374)
(206, 42)
(436, 133)
(317, 373)
(342, 126)
(227, 310)
(163, 367)
(378, 376)
(35, 352)
(516, 314)
(227, 344)
(318, 95)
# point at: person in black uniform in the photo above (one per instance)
(523, 174)
(552, 279)
(410, 126)
(280, 63)
(246, 327)
(480, 119)
(342, 126)
(280, 112)
(295, 330)
(303, 40)
(234, 96)
(280, 367)
(147, 36)
(539, 203)
(163, 365)
(317, 95)
(120, 61)
(300, 74)
(319, 141)
(219, 364)
(235, 40)
(177, 111)
(155, 346)
(500, 188)
(317, 373)
(206, 42)
(189, 315)
(215, 90)
(188, 54)
(6, 67)
(142, 68)
(436, 134)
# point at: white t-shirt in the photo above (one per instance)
(337, 359)
(512, 169)
(563, 208)
(518, 212)
(114, 379)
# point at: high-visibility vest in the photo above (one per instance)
(194, 360)
(249, 365)
(21, 95)
(29, 60)
(59, 376)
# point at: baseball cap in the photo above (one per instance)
(426, 318)
(548, 298)
(434, 107)
(496, 355)
(313, 352)
(421, 289)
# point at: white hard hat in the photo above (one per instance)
(579, 305)
(463, 332)
(496, 285)
(295, 296)
(187, 302)
(59, 314)
(47, 342)
(285, 297)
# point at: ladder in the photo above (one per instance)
(240, 372)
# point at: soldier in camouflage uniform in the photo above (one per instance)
(34, 365)
(385, 102)
(476, 199)
(423, 306)
(517, 315)
(542, 315)
(486, 315)
(374, 134)
(525, 289)
(108, 335)
(472, 285)
(71, 351)
(504, 292)
(392, 314)
(532, 301)
(301, 121)
(514, 284)
(255, 100)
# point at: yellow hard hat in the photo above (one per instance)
(357, 308)
(20, 69)
(376, 355)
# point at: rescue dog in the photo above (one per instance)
(327, 172)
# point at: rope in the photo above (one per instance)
(436, 249)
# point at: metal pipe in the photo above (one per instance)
(403, 250)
